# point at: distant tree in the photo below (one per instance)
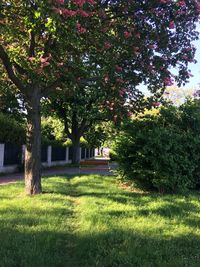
(178, 95)
(96, 136)
(52, 130)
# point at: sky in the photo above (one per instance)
(194, 82)
(195, 68)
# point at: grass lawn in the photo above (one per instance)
(88, 221)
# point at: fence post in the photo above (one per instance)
(2, 147)
(49, 152)
(67, 154)
(80, 153)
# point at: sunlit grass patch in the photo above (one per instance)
(86, 221)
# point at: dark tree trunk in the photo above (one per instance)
(76, 150)
(33, 144)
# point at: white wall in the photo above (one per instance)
(49, 163)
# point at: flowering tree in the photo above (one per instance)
(81, 108)
(128, 42)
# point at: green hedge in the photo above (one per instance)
(160, 151)
(11, 130)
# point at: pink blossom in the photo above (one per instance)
(106, 78)
(122, 92)
(152, 46)
(60, 64)
(181, 3)
(185, 57)
(119, 80)
(64, 12)
(79, 2)
(57, 10)
(198, 7)
(107, 45)
(31, 58)
(168, 81)
(60, 2)
(84, 13)
(68, 13)
(45, 64)
(137, 35)
(44, 59)
(118, 68)
(136, 48)
(79, 28)
(156, 104)
(171, 25)
(127, 34)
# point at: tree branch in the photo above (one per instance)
(67, 128)
(32, 44)
(19, 69)
(82, 126)
(50, 88)
(9, 69)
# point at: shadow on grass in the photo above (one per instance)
(112, 248)
(38, 231)
(170, 207)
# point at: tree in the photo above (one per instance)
(127, 42)
(83, 108)
(177, 95)
(33, 46)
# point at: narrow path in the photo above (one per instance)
(14, 177)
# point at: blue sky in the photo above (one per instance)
(195, 68)
(194, 81)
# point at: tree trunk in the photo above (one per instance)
(33, 144)
(76, 151)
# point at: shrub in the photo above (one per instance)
(156, 152)
(52, 130)
(11, 130)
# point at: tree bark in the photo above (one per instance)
(76, 150)
(33, 143)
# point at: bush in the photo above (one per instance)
(11, 130)
(156, 152)
(52, 130)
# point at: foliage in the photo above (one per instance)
(162, 151)
(52, 130)
(83, 143)
(99, 224)
(96, 135)
(11, 102)
(112, 155)
(106, 45)
(11, 130)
